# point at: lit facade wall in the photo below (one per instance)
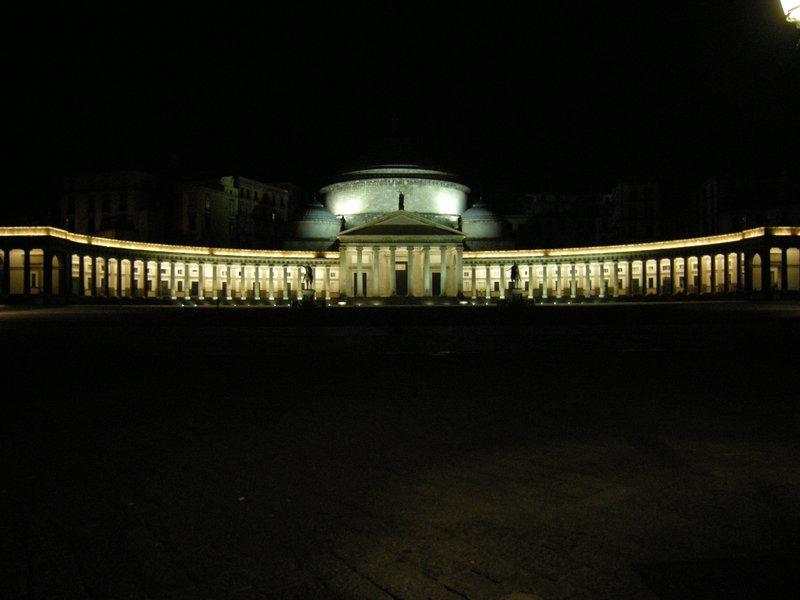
(365, 195)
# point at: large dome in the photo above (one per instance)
(363, 195)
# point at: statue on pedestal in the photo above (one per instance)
(401, 201)
(515, 278)
(308, 277)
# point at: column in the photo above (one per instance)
(559, 281)
(443, 270)
(242, 282)
(5, 284)
(713, 274)
(257, 282)
(502, 282)
(271, 282)
(119, 276)
(587, 280)
(393, 270)
(426, 270)
(359, 279)
(459, 272)
(747, 265)
(82, 274)
(474, 281)
(659, 283)
(157, 283)
(285, 283)
(327, 282)
(784, 270)
(573, 281)
(214, 281)
(186, 280)
(410, 272)
(766, 274)
(726, 275)
(343, 283)
(601, 267)
(531, 281)
(488, 281)
(229, 282)
(173, 284)
(545, 283)
(201, 283)
(376, 272)
(26, 269)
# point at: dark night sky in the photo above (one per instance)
(548, 98)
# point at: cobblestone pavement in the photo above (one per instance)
(584, 452)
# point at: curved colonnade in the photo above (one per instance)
(50, 262)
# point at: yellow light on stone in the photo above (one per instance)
(791, 9)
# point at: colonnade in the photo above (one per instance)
(420, 270)
(47, 261)
(775, 268)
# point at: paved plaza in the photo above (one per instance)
(621, 451)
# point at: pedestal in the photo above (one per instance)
(309, 298)
(516, 296)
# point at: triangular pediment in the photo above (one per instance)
(401, 224)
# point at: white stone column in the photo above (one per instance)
(503, 282)
(393, 270)
(545, 282)
(411, 272)
(531, 281)
(214, 281)
(426, 271)
(270, 282)
(559, 280)
(615, 274)
(587, 280)
(242, 282)
(344, 284)
(201, 291)
(327, 282)
(173, 281)
(285, 283)
(459, 271)
(186, 282)
(573, 281)
(443, 270)
(474, 282)
(359, 267)
(229, 281)
(488, 281)
(601, 267)
(257, 282)
(376, 272)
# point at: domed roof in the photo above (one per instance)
(479, 212)
(318, 213)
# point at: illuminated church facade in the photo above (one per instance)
(393, 235)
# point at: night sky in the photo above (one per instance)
(545, 99)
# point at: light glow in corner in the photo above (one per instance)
(791, 8)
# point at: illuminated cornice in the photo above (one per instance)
(101, 242)
(200, 251)
(688, 243)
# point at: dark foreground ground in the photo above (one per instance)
(567, 452)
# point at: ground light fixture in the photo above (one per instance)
(791, 9)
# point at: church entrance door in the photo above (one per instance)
(436, 284)
(401, 279)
